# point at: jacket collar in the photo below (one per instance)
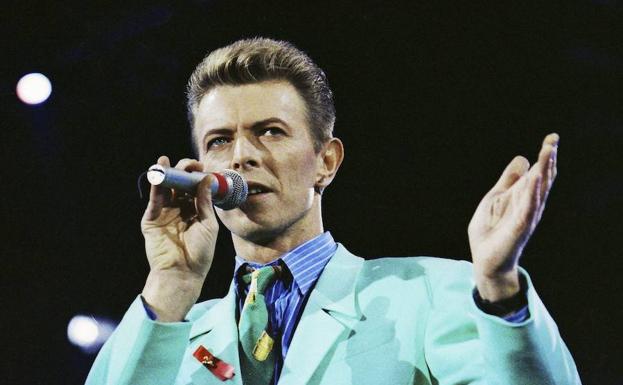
(330, 313)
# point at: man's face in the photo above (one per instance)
(261, 131)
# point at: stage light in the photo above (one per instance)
(34, 88)
(82, 331)
(89, 333)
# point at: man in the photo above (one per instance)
(263, 108)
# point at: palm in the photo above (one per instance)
(172, 243)
(509, 213)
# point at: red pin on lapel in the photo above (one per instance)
(221, 369)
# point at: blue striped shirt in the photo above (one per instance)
(286, 298)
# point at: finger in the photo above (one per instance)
(183, 200)
(515, 169)
(159, 196)
(551, 176)
(530, 204)
(553, 162)
(552, 139)
(186, 203)
(545, 162)
(203, 221)
(521, 188)
(189, 165)
(203, 202)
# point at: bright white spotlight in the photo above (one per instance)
(34, 88)
(82, 331)
(89, 333)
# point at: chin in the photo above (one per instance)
(256, 233)
(258, 229)
(251, 228)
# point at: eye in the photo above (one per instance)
(272, 131)
(215, 143)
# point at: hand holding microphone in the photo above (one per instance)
(179, 248)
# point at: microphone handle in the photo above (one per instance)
(179, 179)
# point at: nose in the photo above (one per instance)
(246, 155)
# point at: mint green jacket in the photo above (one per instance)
(386, 321)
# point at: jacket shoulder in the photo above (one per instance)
(434, 268)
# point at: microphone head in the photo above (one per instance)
(237, 190)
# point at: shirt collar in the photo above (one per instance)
(305, 262)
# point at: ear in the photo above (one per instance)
(328, 162)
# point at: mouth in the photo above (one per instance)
(256, 189)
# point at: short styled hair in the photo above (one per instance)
(260, 59)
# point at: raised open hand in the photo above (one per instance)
(506, 218)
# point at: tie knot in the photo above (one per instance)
(260, 279)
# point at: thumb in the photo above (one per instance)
(515, 169)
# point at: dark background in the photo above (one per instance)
(436, 97)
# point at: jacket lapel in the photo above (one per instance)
(329, 316)
(217, 331)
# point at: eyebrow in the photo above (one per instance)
(226, 130)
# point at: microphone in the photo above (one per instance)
(228, 188)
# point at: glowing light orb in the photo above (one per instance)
(34, 88)
(83, 331)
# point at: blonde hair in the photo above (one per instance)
(260, 59)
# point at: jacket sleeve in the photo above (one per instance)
(141, 351)
(467, 346)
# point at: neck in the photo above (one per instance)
(301, 231)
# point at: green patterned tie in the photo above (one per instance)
(257, 358)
